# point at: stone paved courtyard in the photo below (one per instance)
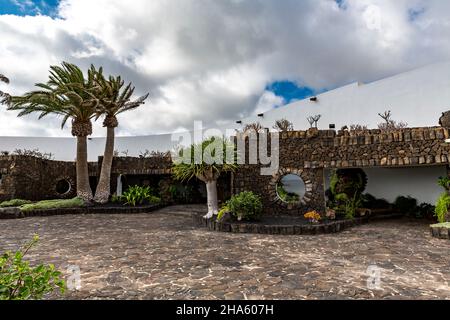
(162, 256)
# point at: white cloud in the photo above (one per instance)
(212, 60)
(268, 101)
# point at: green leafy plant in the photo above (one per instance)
(20, 281)
(137, 195)
(245, 206)
(350, 204)
(441, 225)
(222, 212)
(116, 199)
(442, 206)
(444, 182)
(54, 204)
(14, 203)
(285, 196)
(348, 181)
(206, 161)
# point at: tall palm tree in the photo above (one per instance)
(115, 99)
(4, 97)
(204, 170)
(69, 94)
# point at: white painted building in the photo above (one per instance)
(416, 97)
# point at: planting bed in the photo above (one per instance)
(16, 213)
(285, 225)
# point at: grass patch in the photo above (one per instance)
(441, 225)
(53, 204)
(14, 203)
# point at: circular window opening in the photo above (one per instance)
(291, 189)
(63, 187)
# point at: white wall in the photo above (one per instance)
(417, 182)
(417, 97)
(64, 149)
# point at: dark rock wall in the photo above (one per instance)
(305, 153)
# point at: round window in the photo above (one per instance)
(291, 189)
(63, 187)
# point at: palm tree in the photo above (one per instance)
(115, 99)
(206, 169)
(4, 97)
(68, 94)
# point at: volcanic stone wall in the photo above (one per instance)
(304, 153)
(307, 153)
(33, 178)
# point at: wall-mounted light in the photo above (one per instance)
(261, 115)
(313, 99)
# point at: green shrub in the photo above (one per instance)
(246, 205)
(441, 225)
(54, 204)
(444, 182)
(406, 205)
(368, 201)
(425, 210)
(14, 203)
(137, 195)
(116, 199)
(442, 206)
(285, 196)
(222, 212)
(20, 281)
(348, 181)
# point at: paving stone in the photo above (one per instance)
(163, 256)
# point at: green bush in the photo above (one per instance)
(14, 203)
(20, 281)
(222, 212)
(425, 210)
(54, 204)
(406, 205)
(444, 182)
(442, 206)
(116, 199)
(368, 201)
(246, 205)
(137, 195)
(348, 181)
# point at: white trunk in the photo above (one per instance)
(213, 205)
(119, 185)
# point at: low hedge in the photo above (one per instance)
(53, 204)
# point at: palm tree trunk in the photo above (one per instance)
(83, 188)
(213, 204)
(104, 185)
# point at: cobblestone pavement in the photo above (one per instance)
(161, 256)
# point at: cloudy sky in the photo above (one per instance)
(215, 60)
